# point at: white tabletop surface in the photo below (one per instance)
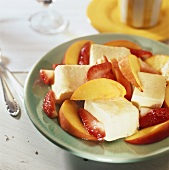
(22, 147)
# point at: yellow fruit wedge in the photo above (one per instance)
(72, 53)
(129, 66)
(157, 61)
(99, 89)
(70, 121)
(123, 43)
(150, 134)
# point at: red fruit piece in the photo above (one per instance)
(84, 54)
(55, 65)
(103, 70)
(141, 53)
(154, 117)
(49, 106)
(92, 125)
(47, 76)
(121, 79)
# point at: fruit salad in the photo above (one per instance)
(110, 91)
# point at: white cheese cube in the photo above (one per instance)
(67, 79)
(119, 116)
(97, 51)
(153, 94)
(165, 71)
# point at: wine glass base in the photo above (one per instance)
(48, 22)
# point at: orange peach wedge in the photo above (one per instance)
(129, 66)
(99, 89)
(144, 67)
(123, 43)
(157, 62)
(150, 135)
(72, 53)
(121, 79)
(70, 121)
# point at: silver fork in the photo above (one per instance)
(11, 103)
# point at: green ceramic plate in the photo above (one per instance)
(112, 152)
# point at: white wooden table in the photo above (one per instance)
(22, 147)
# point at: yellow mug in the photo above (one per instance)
(140, 13)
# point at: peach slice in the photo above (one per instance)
(150, 135)
(144, 67)
(99, 89)
(129, 66)
(123, 43)
(72, 53)
(166, 100)
(157, 61)
(121, 79)
(70, 121)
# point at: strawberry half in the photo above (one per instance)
(92, 125)
(141, 53)
(55, 65)
(47, 76)
(154, 117)
(49, 106)
(103, 70)
(84, 54)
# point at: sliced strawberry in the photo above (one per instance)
(84, 54)
(141, 53)
(55, 65)
(92, 125)
(154, 117)
(49, 106)
(47, 76)
(103, 70)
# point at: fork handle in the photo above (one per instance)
(11, 104)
